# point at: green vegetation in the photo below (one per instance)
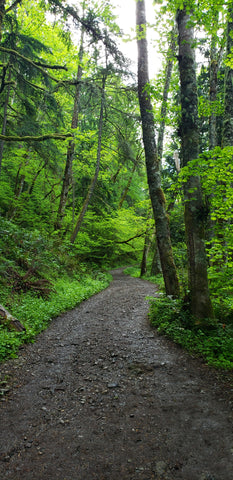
(36, 313)
(39, 281)
(212, 341)
(74, 197)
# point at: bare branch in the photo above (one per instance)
(135, 236)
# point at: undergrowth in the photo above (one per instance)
(36, 313)
(212, 340)
(134, 271)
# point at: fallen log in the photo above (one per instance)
(9, 321)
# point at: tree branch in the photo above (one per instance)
(13, 5)
(93, 30)
(17, 54)
(40, 138)
(54, 67)
(135, 236)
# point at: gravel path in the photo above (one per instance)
(100, 396)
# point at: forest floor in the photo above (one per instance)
(101, 396)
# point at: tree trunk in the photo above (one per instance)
(194, 212)
(168, 74)
(41, 168)
(67, 180)
(2, 15)
(156, 264)
(94, 180)
(147, 244)
(227, 139)
(215, 57)
(152, 161)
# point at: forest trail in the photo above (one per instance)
(100, 396)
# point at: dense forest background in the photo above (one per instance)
(100, 167)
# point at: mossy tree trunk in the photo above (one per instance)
(227, 138)
(152, 160)
(147, 245)
(194, 209)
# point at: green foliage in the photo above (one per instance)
(213, 341)
(109, 240)
(36, 313)
(216, 172)
(134, 271)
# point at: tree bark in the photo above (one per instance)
(152, 160)
(4, 122)
(227, 139)
(156, 264)
(2, 15)
(200, 302)
(213, 97)
(147, 244)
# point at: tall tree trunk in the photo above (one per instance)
(67, 180)
(156, 264)
(2, 15)
(168, 74)
(152, 160)
(194, 225)
(4, 122)
(147, 244)
(227, 139)
(215, 58)
(94, 180)
(213, 97)
(41, 168)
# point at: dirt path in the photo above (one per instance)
(100, 396)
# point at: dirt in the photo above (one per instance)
(101, 396)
